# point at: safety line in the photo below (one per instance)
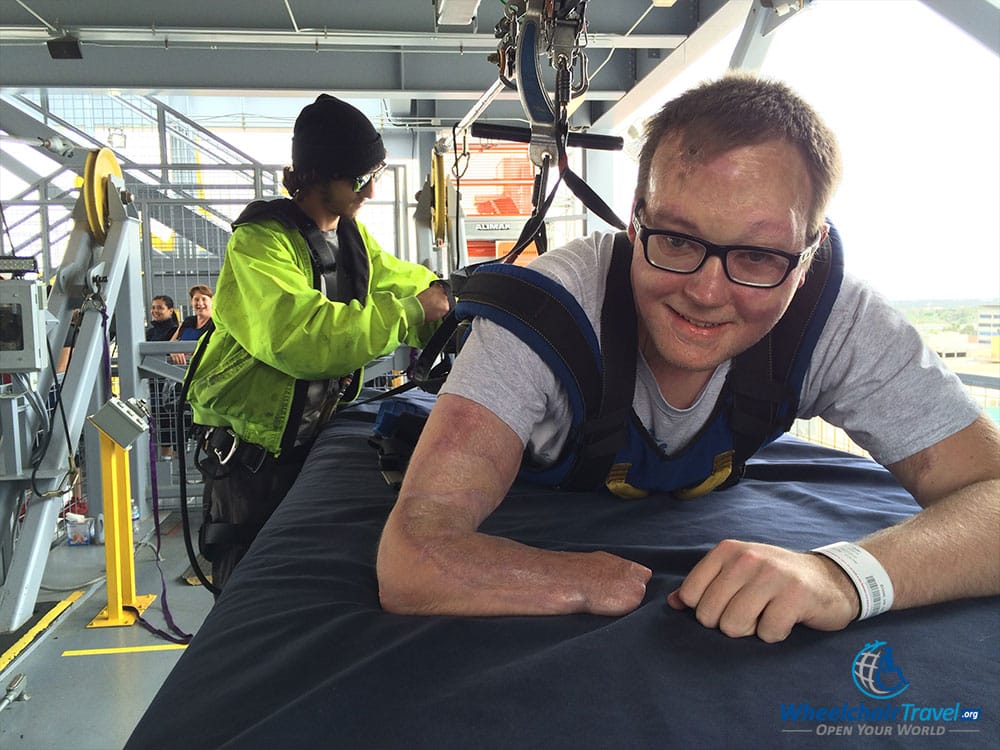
(25, 640)
(123, 650)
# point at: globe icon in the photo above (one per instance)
(875, 672)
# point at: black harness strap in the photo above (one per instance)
(605, 434)
(763, 402)
(346, 280)
(591, 199)
(288, 213)
(550, 319)
(606, 391)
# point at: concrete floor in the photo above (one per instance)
(89, 686)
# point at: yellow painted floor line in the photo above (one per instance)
(123, 650)
(25, 640)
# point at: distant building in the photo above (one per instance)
(949, 344)
(988, 324)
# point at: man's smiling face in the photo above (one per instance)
(752, 195)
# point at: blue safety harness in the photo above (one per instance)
(607, 444)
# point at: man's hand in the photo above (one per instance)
(434, 300)
(615, 586)
(947, 551)
(433, 560)
(743, 588)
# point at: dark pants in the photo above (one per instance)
(244, 499)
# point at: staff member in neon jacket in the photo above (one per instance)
(304, 299)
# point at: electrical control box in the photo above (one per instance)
(122, 421)
(22, 325)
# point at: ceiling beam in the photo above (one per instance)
(758, 32)
(979, 19)
(647, 94)
(208, 38)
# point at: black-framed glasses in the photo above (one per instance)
(747, 265)
(360, 182)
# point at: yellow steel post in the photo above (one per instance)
(118, 554)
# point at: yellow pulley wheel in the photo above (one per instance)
(99, 165)
(439, 200)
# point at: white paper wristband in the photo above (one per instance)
(866, 573)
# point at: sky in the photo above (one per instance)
(915, 104)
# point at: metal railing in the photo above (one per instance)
(984, 390)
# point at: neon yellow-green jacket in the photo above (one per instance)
(274, 330)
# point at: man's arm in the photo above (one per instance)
(433, 560)
(950, 550)
(947, 551)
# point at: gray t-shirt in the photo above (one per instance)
(870, 374)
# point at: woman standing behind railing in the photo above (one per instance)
(193, 326)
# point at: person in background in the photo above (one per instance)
(306, 298)
(196, 325)
(728, 215)
(163, 325)
(163, 319)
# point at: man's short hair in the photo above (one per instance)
(742, 110)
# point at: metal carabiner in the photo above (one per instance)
(232, 449)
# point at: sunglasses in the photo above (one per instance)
(360, 182)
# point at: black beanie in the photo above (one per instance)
(335, 139)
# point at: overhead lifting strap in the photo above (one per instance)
(556, 26)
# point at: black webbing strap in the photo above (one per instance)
(423, 369)
(580, 189)
(764, 401)
(549, 319)
(534, 228)
(344, 281)
(591, 199)
(607, 396)
(220, 534)
(605, 434)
